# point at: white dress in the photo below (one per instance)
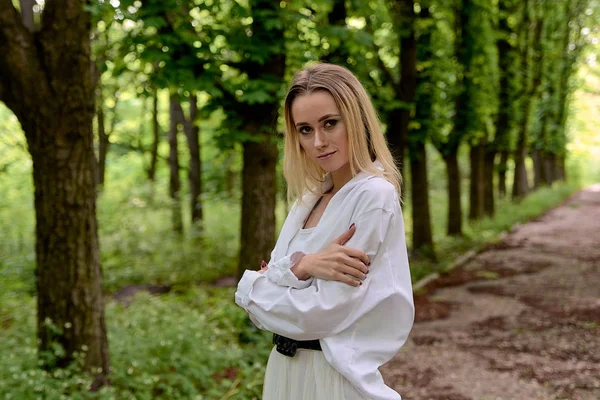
(307, 375)
(360, 328)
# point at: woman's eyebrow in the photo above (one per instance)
(324, 117)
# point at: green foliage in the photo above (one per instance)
(191, 345)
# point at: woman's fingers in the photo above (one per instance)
(355, 270)
(338, 276)
(355, 253)
(344, 237)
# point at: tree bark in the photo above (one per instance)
(417, 138)
(174, 180)
(502, 168)
(489, 206)
(258, 203)
(454, 202)
(259, 187)
(192, 133)
(396, 138)
(536, 157)
(520, 182)
(403, 13)
(103, 143)
(506, 111)
(422, 235)
(477, 156)
(155, 138)
(56, 65)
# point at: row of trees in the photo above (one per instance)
(494, 75)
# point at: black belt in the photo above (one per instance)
(288, 347)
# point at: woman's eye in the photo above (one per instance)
(304, 130)
(330, 123)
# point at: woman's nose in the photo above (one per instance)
(320, 140)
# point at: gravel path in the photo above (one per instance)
(520, 321)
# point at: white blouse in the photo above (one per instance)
(360, 328)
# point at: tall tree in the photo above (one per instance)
(403, 15)
(176, 118)
(155, 137)
(451, 58)
(105, 132)
(265, 70)
(476, 104)
(417, 138)
(192, 134)
(508, 62)
(531, 70)
(55, 63)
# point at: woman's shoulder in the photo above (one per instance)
(376, 192)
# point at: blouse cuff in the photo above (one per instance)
(280, 274)
(242, 296)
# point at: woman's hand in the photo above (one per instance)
(335, 262)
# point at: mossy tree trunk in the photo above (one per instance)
(47, 79)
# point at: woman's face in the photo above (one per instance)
(321, 130)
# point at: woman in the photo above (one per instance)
(337, 292)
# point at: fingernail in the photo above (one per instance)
(351, 226)
(361, 283)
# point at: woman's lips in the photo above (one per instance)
(326, 156)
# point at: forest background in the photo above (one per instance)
(159, 120)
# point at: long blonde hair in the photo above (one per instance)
(366, 141)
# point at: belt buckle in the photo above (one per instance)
(285, 346)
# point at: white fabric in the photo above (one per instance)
(306, 376)
(360, 328)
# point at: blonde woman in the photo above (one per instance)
(337, 292)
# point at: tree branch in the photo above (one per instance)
(16, 47)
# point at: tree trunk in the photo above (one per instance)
(174, 180)
(502, 168)
(259, 176)
(155, 138)
(66, 237)
(489, 207)
(56, 65)
(454, 201)
(396, 138)
(547, 168)
(103, 143)
(562, 172)
(192, 133)
(505, 117)
(422, 236)
(520, 182)
(403, 12)
(536, 157)
(417, 138)
(476, 192)
(259, 193)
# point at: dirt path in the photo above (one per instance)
(520, 321)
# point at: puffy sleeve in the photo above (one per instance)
(279, 272)
(326, 307)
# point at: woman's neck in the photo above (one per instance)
(340, 177)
